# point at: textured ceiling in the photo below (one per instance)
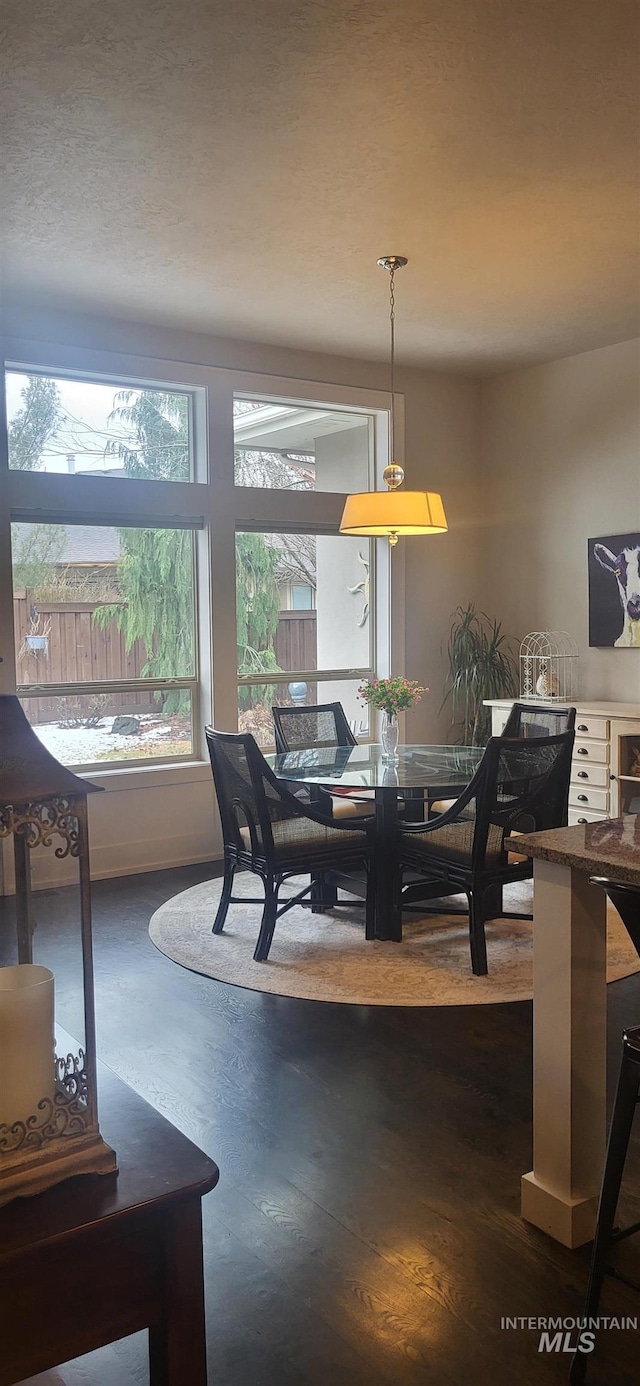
(237, 168)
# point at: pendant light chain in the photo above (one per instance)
(393, 473)
(392, 322)
(393, 512)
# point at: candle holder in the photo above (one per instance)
(54, 1136)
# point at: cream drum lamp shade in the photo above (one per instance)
(393, 513)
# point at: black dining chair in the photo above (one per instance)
(324, 725)
(519, 786)
(266, 830)
(626, 899)
(527, 720)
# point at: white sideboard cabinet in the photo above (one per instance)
(606, 749)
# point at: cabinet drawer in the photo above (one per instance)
(584, 816)
(586, 771)
(596, 727)
(595, 799)
(584, 751)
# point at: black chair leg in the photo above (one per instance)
(621, 1123)
(268, 921)
(324, 894)
(476, 934)
(227, 887)
(493, 905)
(370, 902)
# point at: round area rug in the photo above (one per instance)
(325, 957)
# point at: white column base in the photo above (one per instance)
(560, 1195)
(571, 1222)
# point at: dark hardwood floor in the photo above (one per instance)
(365, 1228)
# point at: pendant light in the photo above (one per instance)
(393, 512)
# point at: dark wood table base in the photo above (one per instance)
(99, 1257)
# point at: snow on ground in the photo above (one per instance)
(84, 745)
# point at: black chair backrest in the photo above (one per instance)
(626, 899)
(528, 721)
(248, 794)
(325, 724)
(521, 785)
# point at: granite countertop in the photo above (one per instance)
(608, 848)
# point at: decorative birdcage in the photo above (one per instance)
(548, 666)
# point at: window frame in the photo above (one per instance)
(211, 503)
(95, 687)
(339, 674)
(117, 381)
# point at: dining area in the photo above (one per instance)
(426, 875)
(403, 831)
(420, 822)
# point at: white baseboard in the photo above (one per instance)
(134, 859)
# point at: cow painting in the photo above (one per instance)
(614, 591)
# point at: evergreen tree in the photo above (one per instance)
(257, 610)
(35, 423)
(155, 574)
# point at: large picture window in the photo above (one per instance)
(105, 639)
(124, 606)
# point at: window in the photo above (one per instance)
(60, 424)
(105, 639)
(300, 447)
(307, 653)
(302, 596)
(115, 589)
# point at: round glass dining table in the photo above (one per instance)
(418, 776)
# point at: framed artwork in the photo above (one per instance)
(614, 591)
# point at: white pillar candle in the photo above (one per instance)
(27, 1067)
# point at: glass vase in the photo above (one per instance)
(389, 736)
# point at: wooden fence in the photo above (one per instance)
(295, 643)
(79, 650)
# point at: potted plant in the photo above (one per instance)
(36, 640)
(481, 666)
(391, 696)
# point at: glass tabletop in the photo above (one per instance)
(363, 767)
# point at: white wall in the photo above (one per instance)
(560, 464)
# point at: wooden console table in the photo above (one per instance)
(102, 1256)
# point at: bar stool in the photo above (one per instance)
(626, 900)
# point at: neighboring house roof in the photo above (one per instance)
(101, 544)
(90, 544)
(82, 543)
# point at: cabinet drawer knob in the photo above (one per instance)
(582, 799)
(583, 774)
(582, 751)
(583, 727)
